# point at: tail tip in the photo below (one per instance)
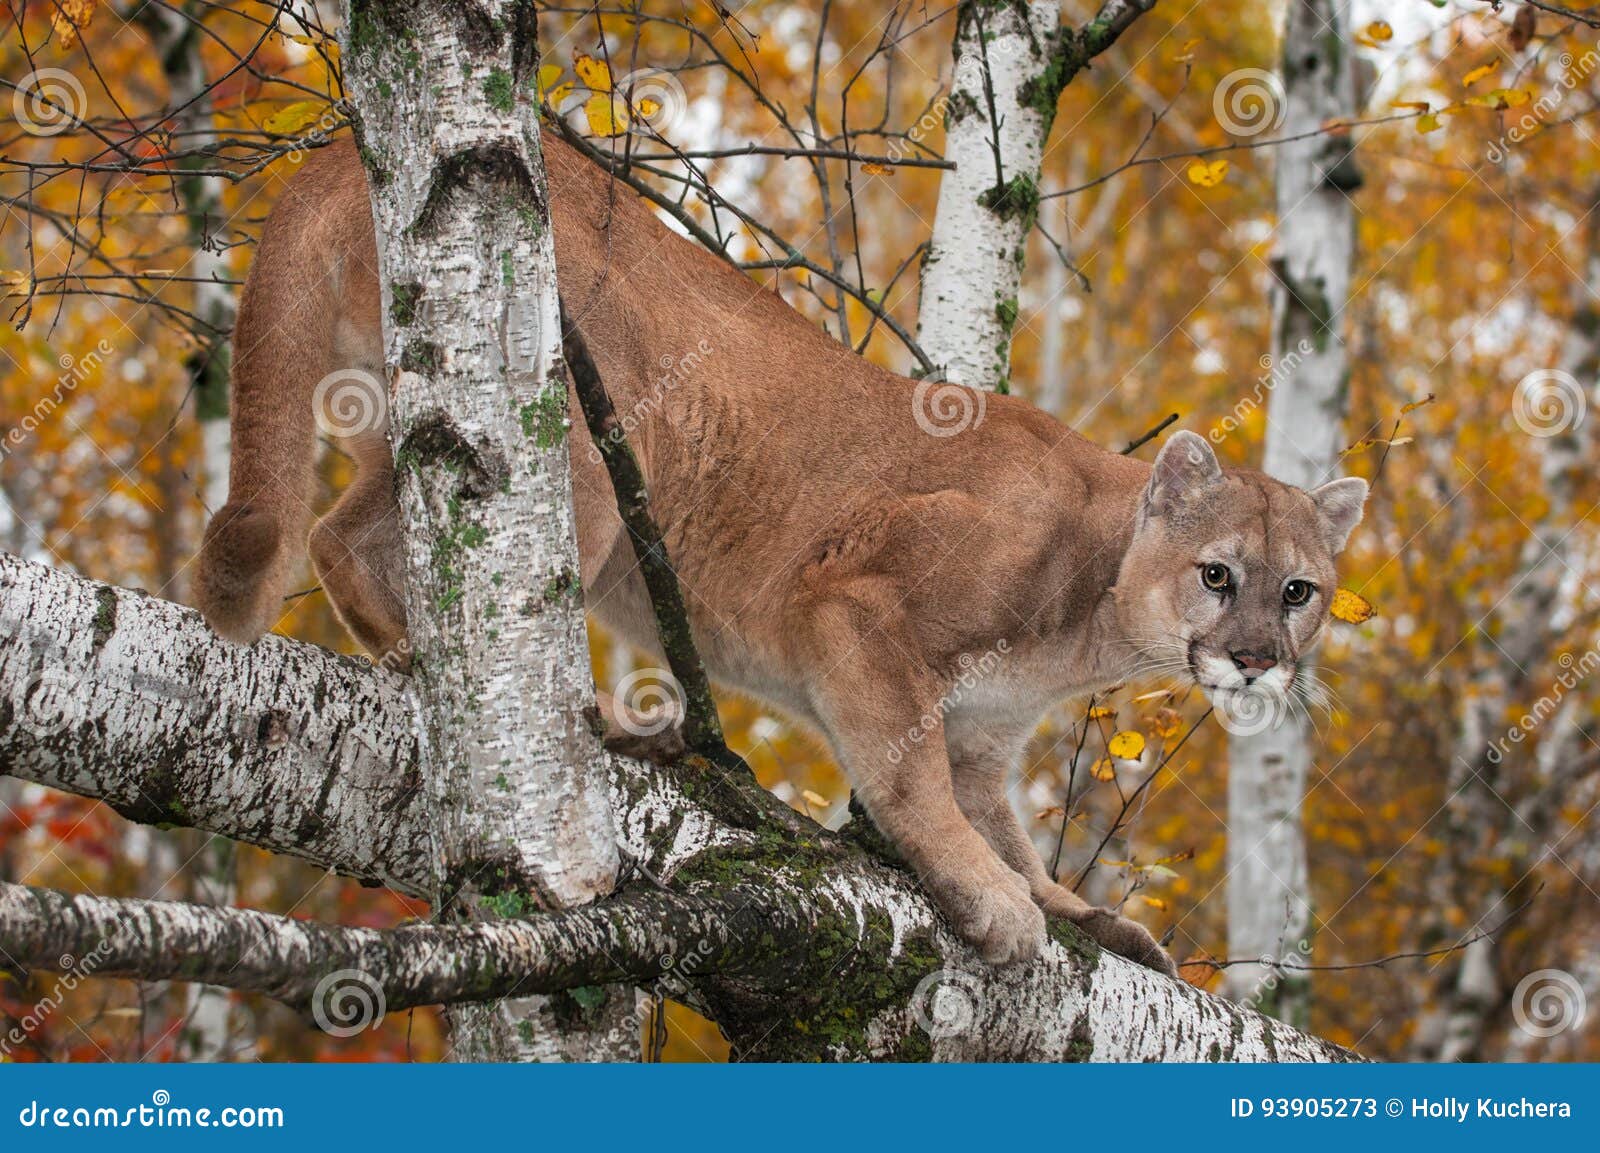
(240, 548)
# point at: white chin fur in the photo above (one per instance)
(1218, 675)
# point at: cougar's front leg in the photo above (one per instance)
(874, 712)
(981, 762)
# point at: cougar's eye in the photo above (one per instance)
(1298, 592)
(1216, 577)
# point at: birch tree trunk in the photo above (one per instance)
(519, 784)
(1269, 903)
(1011, 62)
(1522, 632)
(210, 865)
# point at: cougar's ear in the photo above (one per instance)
(1184, 466)
(1340, 504)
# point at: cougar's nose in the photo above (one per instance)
(1252, 665)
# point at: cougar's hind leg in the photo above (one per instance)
(356, 548)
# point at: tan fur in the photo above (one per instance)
(837, 559)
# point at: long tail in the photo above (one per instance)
(283, 349)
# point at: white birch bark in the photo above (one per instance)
(1520, 634)
(450, 135)
(1269, 902)
(1011, 61)
(129, 699)
(995, 135)
(209, 872)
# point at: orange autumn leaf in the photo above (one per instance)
(1351, 608)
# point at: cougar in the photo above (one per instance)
(918, 571)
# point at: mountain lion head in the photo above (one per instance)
(1230, 574)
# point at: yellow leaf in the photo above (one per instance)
(547, 76)
(815, 800)
(1501, 98)
(1154, 902)
(1411, 105)
(1479, 73)
(289, 121)
(1416, 404)
(1208, 175)
(1126, 745)
(595, 74)
(871, 168)
(1427, 123)
(1102, 713)
(1352, 608)
(1103, 770)
(649, 106)
(1186, 53)
(1377, 33)
(69, 18)
(606, 115)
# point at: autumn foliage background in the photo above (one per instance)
(1472, 255)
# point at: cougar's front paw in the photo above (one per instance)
(998, 918)
(1124, 937)
(1127, 939)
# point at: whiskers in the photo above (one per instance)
(1309, 694)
